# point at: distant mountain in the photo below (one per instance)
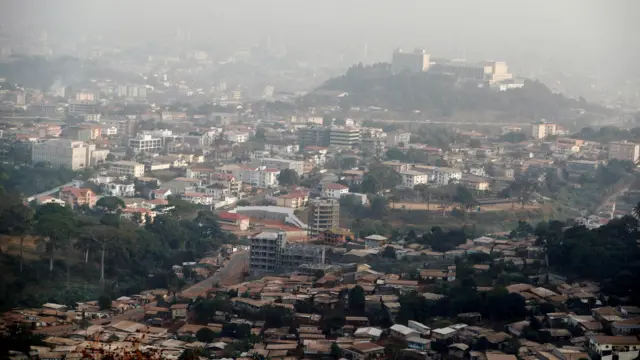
(442, 95)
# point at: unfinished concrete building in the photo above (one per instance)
(324, 215)
(270, 253)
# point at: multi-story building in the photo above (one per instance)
(294, 200)
(236, 137)
(82, 107)
(397, 138)
(63, 152)
(119, 189)
(260, 176)
(416, 61)
(443, 176)
(146, 143)
(77, 196)
(411, 178)
(82, 133)
(624, 150)
(282, 164)
(541, 130)
(615, 347)
(314, 136)
(197, 198)
(334, 190)
(344, 137)
(128, 168)
(271, 253)
(324, 214)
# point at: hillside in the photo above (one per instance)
(442, 96)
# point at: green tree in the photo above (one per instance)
(205, 335)
(356, 300)
(104, 302)
(336, 352)
(55, 224)
(389, 252)
(380, 178)
(288, 177)
(379, 206)
(16, 219)
(110, 204)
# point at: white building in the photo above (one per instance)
(282, 148)
(443, 176)
(236, 137)
(344, 136)
(260, 176)
(92, 117)
(119, 189)
(63, 152)
(107, 130)
(146, 143)
(411, 178)
(198, 198)
(283, 164)
(128, 168)
(334, 191)
(397, 138)
(615, 347)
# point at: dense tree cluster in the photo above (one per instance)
(94, 252)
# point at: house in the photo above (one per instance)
(160, 194)
(42, 200)
(233, 219)
(334, 190)
(364, 351)
(247, 304)
(336, 236)
(442, 333)
(374, 241)
(402, 332)
(418, 343)
(458, 350)
(626, 327)
(119, 189)
(197, 198)
(475, 182)
(179, 311)
(368, 332)
(615, 347)
(78, 196)
(294, 200)
(420, 328)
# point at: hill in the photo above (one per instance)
(443, 96)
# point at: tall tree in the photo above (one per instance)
(56, 225)
(110, 204)
(356, 300)
(16, 219)
(380, 178)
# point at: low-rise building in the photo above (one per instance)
(411, 178)
(77, 196)
(402, 332)
(615, 347)
(232, 219)
(119, 189)
(334, 190)
(128, 168)
(444, 176)
(197, 198)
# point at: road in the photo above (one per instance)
(229, 274)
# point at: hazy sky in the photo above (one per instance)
(574, 28)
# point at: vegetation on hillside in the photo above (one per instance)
(442, 95)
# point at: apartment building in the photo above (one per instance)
(313, 136)
(260, 176)
(282, 164)
(271, 253)
(334, 190)
(77, 196)
(411, 178)
(119, 189)
(63, 152)
(344, 136)
(198, 198)
(624, 150)
(324, 214)
(236, 137)
(128, 168)
(294, 200)
(398, 138)
(443, 176)
(145, 143)
(541, 130)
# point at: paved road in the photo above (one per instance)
(229, 274)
